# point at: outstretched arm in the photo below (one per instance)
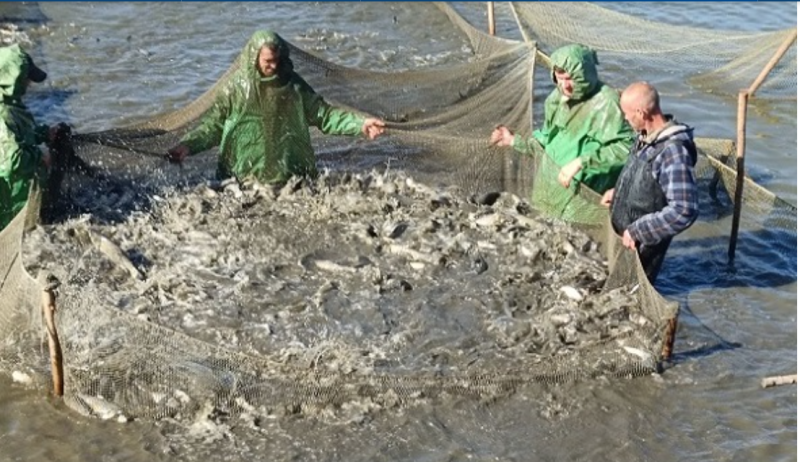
(209, 133)
(502, 136)
(373, 128)
(336, 121)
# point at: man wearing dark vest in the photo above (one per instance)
(655, 197)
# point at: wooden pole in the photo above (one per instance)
(741, 128)
(56, 365)
(490, 6)
(779, 380)
(790, 39)
(539, 53)
(669, 338)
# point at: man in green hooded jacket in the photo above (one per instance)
(261, 118)
(584, 134)
(22, 161)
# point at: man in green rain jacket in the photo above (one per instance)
(21, 159)
(261, 118)
(584, 134)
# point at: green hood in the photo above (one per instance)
(261, 125)
(581, 64)
(13, 72)
(20, 136)
(249, 57)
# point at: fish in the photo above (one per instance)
(572, 293)
(116, 255)
(636, 352)
(21, 377)
(98, 406)
(327, 265)
(412, 254)
(488, 220)
(394, 230)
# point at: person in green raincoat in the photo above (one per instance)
(261, 119)
(22, 161)
(584, 135)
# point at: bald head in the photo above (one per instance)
(641, 105)
(642, 95)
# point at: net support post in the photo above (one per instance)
(56, 363)
(669, 338)
(790, 39)
(741, 129)
(490, 15)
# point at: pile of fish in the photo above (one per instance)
(348, 272)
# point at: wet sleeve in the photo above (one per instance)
(209, 133)
(542, 134)
(11, 155)
(676, 178)
(330, 120)
(527, 146)
(539, 138)
(609, 140)
(17, 166)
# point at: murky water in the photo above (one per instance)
(116, 63)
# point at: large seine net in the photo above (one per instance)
(718, 61)
(438, 124)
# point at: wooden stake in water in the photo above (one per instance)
(490, 6)
(741, 128)
(669, 338)
(56, 365)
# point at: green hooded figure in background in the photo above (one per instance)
(584, 135)
(261, 118)
(21, 159)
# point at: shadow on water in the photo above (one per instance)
(765, 258)
(717, 344)
(702, 352)
(49, 105)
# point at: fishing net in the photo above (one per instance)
(717, 61)
(438, 125)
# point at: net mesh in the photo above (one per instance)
(718, 61)
(438, 123)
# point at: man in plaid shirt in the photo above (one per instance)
(655, 197)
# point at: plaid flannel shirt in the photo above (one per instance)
(673, 168)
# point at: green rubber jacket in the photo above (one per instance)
(20, 136)
(261, 125)
(589, 125)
